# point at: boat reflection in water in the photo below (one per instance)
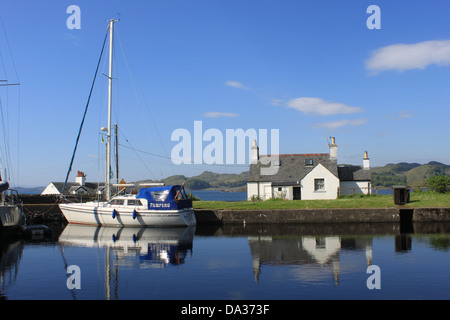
(154, 247)
(10, 256)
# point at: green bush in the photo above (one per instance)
(194, 198)
(439, 184)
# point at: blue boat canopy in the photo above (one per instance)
(167, 197)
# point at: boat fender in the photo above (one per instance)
(134, 214)
(4, 185)
(114, 213)
(114, 237)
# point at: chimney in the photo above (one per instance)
(255, 153)
(333, 149)
(80, 178)
(366, 161)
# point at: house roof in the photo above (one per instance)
(354, 173)
(76, 188)
(90, 187)
(292, 167)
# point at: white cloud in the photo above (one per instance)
(235, 84)
(75, 39)
(212, 114)
(403, 57)
(276, 102)
(321, 107)
(333, 125)
(400, 115)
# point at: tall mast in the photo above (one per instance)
(108, 141)
(116, 130)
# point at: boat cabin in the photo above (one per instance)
(165, 198)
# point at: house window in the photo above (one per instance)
(308, 162)
(280, 189)
(319, 184)
(321, 243)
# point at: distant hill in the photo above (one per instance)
(29, 190)
(403, 173)
(209, 181)
(411, 174)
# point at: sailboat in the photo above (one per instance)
(12, 217)
(157, 206)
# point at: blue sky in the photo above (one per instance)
(311, 69)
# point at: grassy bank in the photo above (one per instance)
(419, 199)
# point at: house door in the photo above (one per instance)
(297, 193)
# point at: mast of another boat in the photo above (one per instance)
(108, 141)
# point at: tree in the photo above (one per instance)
(439, 184)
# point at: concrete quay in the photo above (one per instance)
(326, 215)
(40, 209)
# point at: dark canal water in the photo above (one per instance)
(270, 262)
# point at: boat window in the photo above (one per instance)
(160, 195)
(134, 202)
(180, 194)
(117, 202)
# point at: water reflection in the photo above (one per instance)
(320, 246)
(154, 247)
(131, 248)
(249, 262)
(318, 251)
(10, 255)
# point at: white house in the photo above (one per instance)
(80, 186)
(305, 176)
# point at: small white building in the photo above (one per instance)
(80, 186)
(305, 176)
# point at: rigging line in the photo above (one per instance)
(85, 112)
(18, 140)
(9, 48)
(6, 156)
(4, 136)
(143, 97)
(142, 151)
(66, 265)
(135, 151)
(160, 156)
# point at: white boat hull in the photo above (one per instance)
(102, 215)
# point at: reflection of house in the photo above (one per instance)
(323, 251)
(305, 176)
(80, 186)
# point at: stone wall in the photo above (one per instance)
(431, 214)
(319, 215)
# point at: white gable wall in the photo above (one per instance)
(50, 189)
(263, 190)
(282, 192)
(354, 187)
(331, 184)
